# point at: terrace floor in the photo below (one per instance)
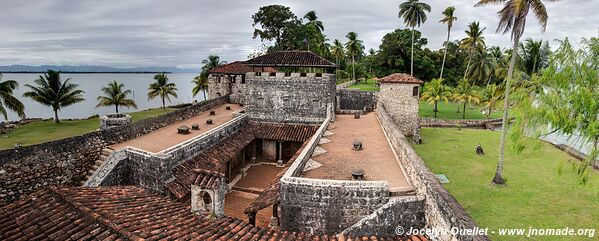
(376, 158)
(166, 137)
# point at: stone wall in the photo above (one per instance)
(442, 211)
(221, 85)
(345, 84)
(354, 99)
(67, 161)
(405, 212)
(289, 99)
(480, 124)
(153, 170)
(328, 206)
(402, 105)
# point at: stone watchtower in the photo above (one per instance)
(399, 95)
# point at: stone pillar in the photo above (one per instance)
(274, 220)
(280, 153)
(253, 151)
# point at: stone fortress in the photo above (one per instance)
(277, 152)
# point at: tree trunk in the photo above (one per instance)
(56, 120)
(458, 105)
(163, 104)
(205, 97)
(498, 178)
(468, 65)
(117, 108)
(445, 53)
(436, 109)
(412, 59)
(464, 111)
(353, 67)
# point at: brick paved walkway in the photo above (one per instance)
(259, 176)
(166, 137)
(236, 202)
(377, 158)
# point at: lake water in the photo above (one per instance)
(92, 84)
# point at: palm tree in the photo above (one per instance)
(162, 88)
(8, 101)
(115, 95)
(199, 84)
(482, 66)
(50, 90)
(338, 52)
(412, 11)
(448, 18)
(534, 55)
(492, 95)
(313, 20)
(433, 92)
(474, 38)
(353, 46)
(513, 17)
(465, 93)
(213, 61)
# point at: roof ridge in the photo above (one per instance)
(89, 213)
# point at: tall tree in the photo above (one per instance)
(466, 94)
(162, 88)
(50, 90)
(492, 95)
(512, 17)
(474, 39)
(413, 13)
(435, 91)
(448, 19)
(199, 84)
(337, 51)
(313, 20)
(115, 95)
(482, 66)
(354, 47)
(273, 20)
(8, 100)
(534, 56)
(213, 61)
(568, 102)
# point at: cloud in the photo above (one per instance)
(181, 33)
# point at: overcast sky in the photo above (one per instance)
(136, 33)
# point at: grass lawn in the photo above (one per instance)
(449, 111)
(368, 85)
(535, 196)
(43, 131)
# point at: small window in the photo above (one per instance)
(303, 74)
(318, 74)
(272, 74)
(415, 91)
(243, 79)
(218, 79)
(287, 74)
(258, 73)
(232, 78)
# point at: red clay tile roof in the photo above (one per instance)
(216, 157)
(237, 67)
(126, 213)
(400, 78)
(212, 159)
(293, 58)
(284, 132)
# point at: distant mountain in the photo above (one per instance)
(92, 69)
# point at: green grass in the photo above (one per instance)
(368, 85)
(43, 131)
(535, 196)
(448, 111)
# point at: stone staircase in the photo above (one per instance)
(103, 156)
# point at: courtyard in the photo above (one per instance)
(376, 158)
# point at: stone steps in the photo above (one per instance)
(103, 156)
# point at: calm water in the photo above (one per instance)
(92, 83)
